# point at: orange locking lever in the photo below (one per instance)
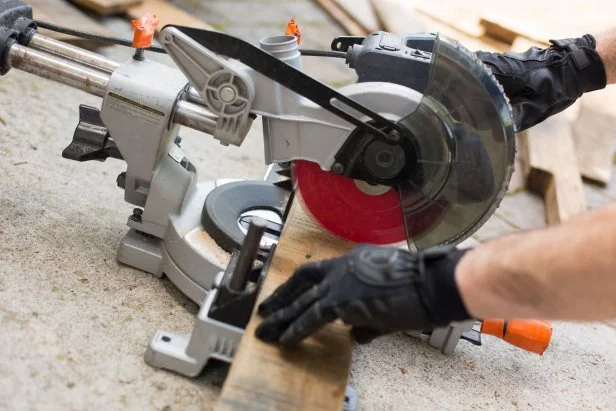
(145, 27)
(529, 335)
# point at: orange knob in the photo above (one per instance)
(529, 335)
(145, 27)
(293, 30)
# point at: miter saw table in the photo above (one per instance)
(420, 150)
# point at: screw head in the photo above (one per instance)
(394, 136)
(337, 168)
(227, 94)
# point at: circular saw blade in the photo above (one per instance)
(356, 211)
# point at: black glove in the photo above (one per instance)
(376, 290)
(543, 82)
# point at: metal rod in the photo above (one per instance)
(73, 53)
(195, 116)
(90, 80)
(58, 69)
(248, 254)
(88, 58)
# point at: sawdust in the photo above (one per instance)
(201, 241)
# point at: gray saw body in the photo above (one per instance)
(442, 119)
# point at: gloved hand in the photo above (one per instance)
(543, 82)
(376, 290)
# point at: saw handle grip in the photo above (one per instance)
(144, 27)
(529, 335)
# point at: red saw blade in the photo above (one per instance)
(343, 209)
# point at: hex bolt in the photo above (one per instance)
(137, 213)
(227, 94)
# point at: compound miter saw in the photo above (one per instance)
(420, 150)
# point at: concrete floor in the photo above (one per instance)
(74, 323)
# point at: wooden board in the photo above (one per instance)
(362, 12)
(350, 25)
(107, 7)
(463, 16)
(550, 165)
(61, 12)
(167, 13)
(594, 132)
(542, 20)
(312, 376)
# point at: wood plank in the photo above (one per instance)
(107, 7)
(594, 132)
(540, 21)
(61, 12)
(462, 15)
(397, 16)
(350, 25)
(312, 376)
(167, 13)
(550, 163)
(362, 12)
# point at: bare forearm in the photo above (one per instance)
(606, 47)
(566, 272)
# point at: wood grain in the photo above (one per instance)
(542, 20)
(550, 164)
(362, 12)
(350, 25)
(594, 132)
(312, 376)
(61, 12)
(168, 14)
(107, 7)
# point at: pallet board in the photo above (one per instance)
(397, 16)
(542, 20)
(61, 12)
(312, 376)
(550, 164)
(463, 16)
(167, 13)
(594, 131)
(107, 7)
(362, 12)
(336, 12)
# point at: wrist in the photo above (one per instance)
(606, 48)
(464, 279)
(443, 297)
